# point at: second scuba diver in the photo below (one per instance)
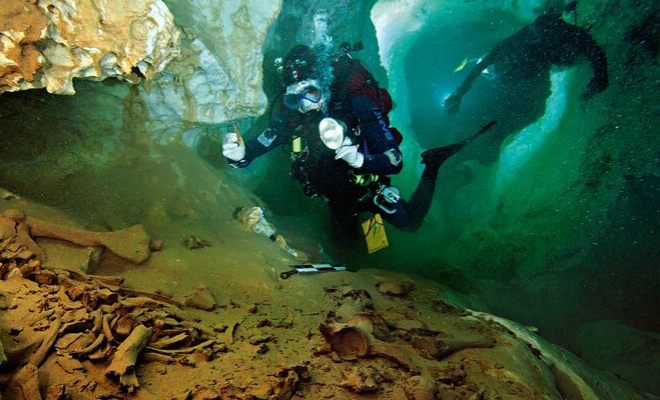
(530, 53)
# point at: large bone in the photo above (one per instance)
(436, 348)
(130, 243)
(23, 237)
(183, 351)
(42, 351)
(449, 346)
(89, 349)
(13, 228)
(124, 359)
(350, 342)
(7, 228)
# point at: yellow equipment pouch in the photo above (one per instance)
(296, 145)
(374, 233)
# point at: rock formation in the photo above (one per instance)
(218, 76)
(47, 44)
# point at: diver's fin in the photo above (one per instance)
(461, 65)
(437, 156)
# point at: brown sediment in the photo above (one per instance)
(339, 336)
(24, 384)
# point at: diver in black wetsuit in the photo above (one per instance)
(352, 178)
(531, 52)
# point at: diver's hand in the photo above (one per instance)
(349, 153)
(453, 103)
(233, 147)
(596, 85)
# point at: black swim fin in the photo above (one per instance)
(439, 155)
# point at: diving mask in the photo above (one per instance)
(304, 96)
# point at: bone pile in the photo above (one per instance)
(85, 317)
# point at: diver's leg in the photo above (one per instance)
(399, 219)
(409, 215)
(345, 224)
(420, 201)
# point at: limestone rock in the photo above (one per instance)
(218, 76)
(92, 256)
(156, 245)
(47, 44)
(571, 374)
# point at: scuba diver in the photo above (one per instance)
(530, 53)
(343, 147)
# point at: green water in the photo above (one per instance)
(553, 217)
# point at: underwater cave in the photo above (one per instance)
(146, 253)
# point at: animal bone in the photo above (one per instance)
(42, 351)
(89, 349)
(450, 346)
(183, 351)
(350, 342)
(131, 243)
(124, 359)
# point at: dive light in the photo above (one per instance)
(332, 133)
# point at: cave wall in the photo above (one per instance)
(176, 84)
(47, 44)
(218, 78)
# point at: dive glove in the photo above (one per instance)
(349, 153)
(232, 147)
